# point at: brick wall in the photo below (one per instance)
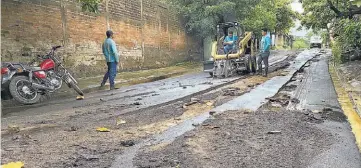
(148, 33)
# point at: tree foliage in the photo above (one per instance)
(339, 15)
(90, 5)
(201, 16)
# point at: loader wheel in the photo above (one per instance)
(253, 64)
(247, 63)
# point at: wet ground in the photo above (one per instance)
(63, 132)
(300, 126)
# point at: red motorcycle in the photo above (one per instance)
(26, 83)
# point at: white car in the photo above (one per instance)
(316, 41)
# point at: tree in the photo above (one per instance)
(262, 16)
(346, 29)
(201, 16)
(285, 16)
(90, 5)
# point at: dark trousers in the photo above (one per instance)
(263, 57)
(111, 73)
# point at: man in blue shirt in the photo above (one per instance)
(111, 56)
(229, 42)
(264, 53)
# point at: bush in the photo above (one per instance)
(337, 52)
(348, 39)
(300, 43)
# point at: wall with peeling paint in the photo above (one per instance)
(148, 33)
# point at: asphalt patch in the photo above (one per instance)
(257, 139)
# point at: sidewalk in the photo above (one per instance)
(349, 74)
(349, 95)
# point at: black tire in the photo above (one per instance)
(211, 73)
(247, 63)
(76, 88)
(16, 95)
(254, 64)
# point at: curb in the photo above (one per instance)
(347, 105)
(350, 93)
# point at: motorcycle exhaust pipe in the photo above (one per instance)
(42, 87)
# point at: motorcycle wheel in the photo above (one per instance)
(76, 88)
(21, 90)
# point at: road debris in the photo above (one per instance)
(120, 121)
(16, 137)
(137, 103)
(103, 129)
(73, 128)
(13, 165)
(232, 92)
(193, 99)
(209, 104)
(80, 98)
(207, 83)
(295, 101)
(88, 157)
(274, 132)
(13, 129)
(127, 143)
(212, 112)
(195, 124)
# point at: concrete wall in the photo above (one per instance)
(149, 34)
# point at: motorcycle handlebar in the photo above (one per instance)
(56, 47)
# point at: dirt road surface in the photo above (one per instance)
(63, 132)
(301, 126)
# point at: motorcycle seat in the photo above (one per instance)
(35, 68)
(32, 68)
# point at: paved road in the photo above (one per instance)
(151, 94)
(312, 132)
(316, 92)
(250, 101)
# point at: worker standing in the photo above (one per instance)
(112, 58)
(264, 53)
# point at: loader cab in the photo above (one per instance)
(222, 31)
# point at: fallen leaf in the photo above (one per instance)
(103, 129)
(120, 121)
(13, 165)
(13, 128)
(79, 97)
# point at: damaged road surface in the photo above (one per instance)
(123, 128)
(299, 125)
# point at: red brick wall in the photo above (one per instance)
(148, 34)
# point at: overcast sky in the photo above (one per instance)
(296, 6)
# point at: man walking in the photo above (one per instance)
(264, 53)
(111, 56)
